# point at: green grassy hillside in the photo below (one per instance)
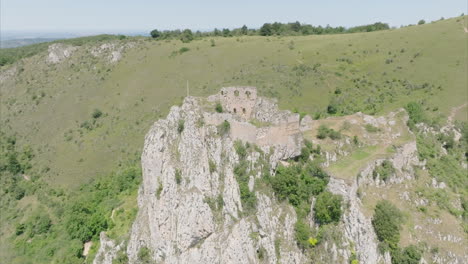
(71, 133)
(47, 106)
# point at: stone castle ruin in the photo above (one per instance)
(256, 119)
(238, 100)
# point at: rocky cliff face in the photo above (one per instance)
(175, 220)
(190, 209)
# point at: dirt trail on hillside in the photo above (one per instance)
(454, 111)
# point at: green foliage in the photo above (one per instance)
(297, 183)
(409, 255)
(183, 50)
(327, 208)
(178, 176)
(248, 198)
(324, 132)
(212, 43)
(121, 258)
(144, 256)
(219, 108)
(416, 114)
(387, 222)
(212, 166)
(371, 129)
(384, 171)
(155, 33)
(302, 234)
(159, 190)
(180, 125)
(421, 22)
(241, 150)
(186, 36)
(224, 128)
(96, 113)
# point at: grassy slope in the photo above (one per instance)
(148, 80)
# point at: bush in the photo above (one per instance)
(384, 171)
(302, 234)
(240, 149)
(409, 255)
(371, 129)
(416, 114)
(297, 183)
(186, 36)
(387, 223)
(324, 132)
(178, 176)
(219, 108)
(96, 113)
(224, 128)
(180, 126)
(212, 166)
(144, 256)
(421, 22)
(155, 33)
(183, 49)
(327, 208)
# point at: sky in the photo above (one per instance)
(119, 16)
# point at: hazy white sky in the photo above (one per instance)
(129, 15)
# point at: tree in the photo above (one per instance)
(244, 30)
(226, 32)
(265, 30)
(421, 22)
(155, 33)
(186, 36)
(327, 208)
(216, 32)
(387, 223)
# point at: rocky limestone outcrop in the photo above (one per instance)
(357, 228)
(175, 220)
(59, 52)
(108, 250)
(190, 209)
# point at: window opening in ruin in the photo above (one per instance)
(243, 110)
(235, 110)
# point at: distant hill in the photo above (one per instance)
(13, 43)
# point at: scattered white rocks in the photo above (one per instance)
(59, 52)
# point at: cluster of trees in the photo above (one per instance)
(268, 29)
(387, 223)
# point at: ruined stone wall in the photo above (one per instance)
(239, 101)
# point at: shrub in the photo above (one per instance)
(302, 234)
(387, 223)
(96, 113)
(371, 129)
(421, 22)
(155, 33)
(178, 176)
(219, 108)
(144, 256)
(324, 132)
(183, 49)
(180, 126)
(416, 114)
(409, 255)
(384, 171)
(212, 43)
(186, 36)
(240, 149)
(224, 128)
(327, 208)
(212, 166)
